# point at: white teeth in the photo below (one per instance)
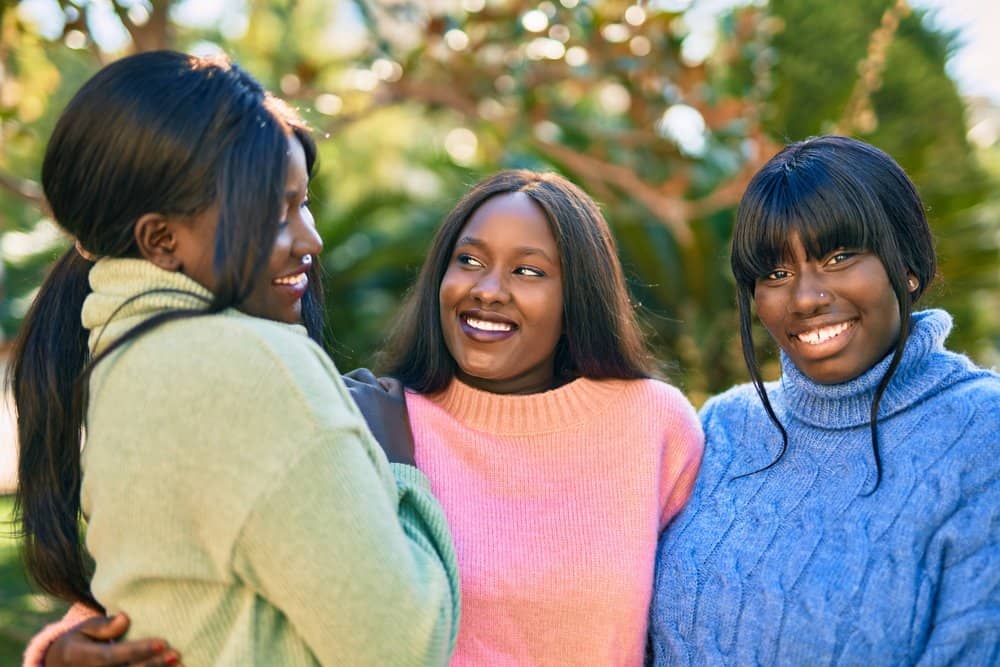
(817, 336)
(483, 325)
(297, 279)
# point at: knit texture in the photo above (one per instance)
(237, 504)
(796, 566)
(555, 501)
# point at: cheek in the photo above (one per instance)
(768, 312)
(447, 292)
(549, 307)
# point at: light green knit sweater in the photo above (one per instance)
(237, 504)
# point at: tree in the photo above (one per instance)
(661, 110)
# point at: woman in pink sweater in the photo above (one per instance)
(555, 455)
(556, 458)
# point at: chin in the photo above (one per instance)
(830, 376)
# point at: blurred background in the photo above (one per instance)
(660, 109)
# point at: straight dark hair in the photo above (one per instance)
(833, 192)
(159, 132)
(601, 337)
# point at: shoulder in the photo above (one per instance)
(962, 428)
(233, 359)
(968, 399)
(734, 402)
(224, 347)
(650, 393)
(646, 396)
(668, 405)
(979, 385)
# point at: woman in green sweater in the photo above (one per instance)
(235, 500)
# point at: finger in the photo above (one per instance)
(106, 628)
(362, 375)
(142, 651)
(392, 386)
(169, 658)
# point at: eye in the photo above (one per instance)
(468, 260)
(529, 271)
(777, 274)
(840, 256)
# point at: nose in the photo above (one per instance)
(810, 294)
(491, 287)
(305, 240)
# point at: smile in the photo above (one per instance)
(293, 281)
(823, 334)
(484, 325)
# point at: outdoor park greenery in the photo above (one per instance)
(661, 109)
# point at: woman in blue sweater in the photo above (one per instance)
(848, 513)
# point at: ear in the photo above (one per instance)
(912, 283)
(154, 235)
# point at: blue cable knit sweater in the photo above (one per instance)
(795, 566)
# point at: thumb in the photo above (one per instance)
(105, 629)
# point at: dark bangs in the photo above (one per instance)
(826, 210)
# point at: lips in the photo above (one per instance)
(816, 343)
(820, 335)
(292, 286)
(485, 326)
(297, 279)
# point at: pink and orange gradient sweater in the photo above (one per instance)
(555, 501)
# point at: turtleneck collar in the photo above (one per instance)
(527, 414)
(923, 370)
(108, 313)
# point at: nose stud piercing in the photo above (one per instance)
(822, 295)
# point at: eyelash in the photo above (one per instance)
(845, 254)
(838, 257)
(467, 260)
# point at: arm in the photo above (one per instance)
(85, 637)
(965, 626)
(312, 519)
(365, 576)
(383, 405)
(681, 458)
(34, 654)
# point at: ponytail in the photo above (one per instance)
(45, 377)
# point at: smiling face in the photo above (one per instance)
(835, 316)
(501, 298)
(277, 293)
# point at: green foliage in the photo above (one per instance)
(920, 120)
(396, 90)
(22, 611)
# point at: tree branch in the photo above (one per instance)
(674, 212)
(25, 189)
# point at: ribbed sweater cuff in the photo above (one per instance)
(410, 476)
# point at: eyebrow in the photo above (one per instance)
(520, 250)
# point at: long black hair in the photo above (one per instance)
(159, 132)
(833, 192)
(601, 337)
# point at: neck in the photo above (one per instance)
(516, 386)
(924, 365)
